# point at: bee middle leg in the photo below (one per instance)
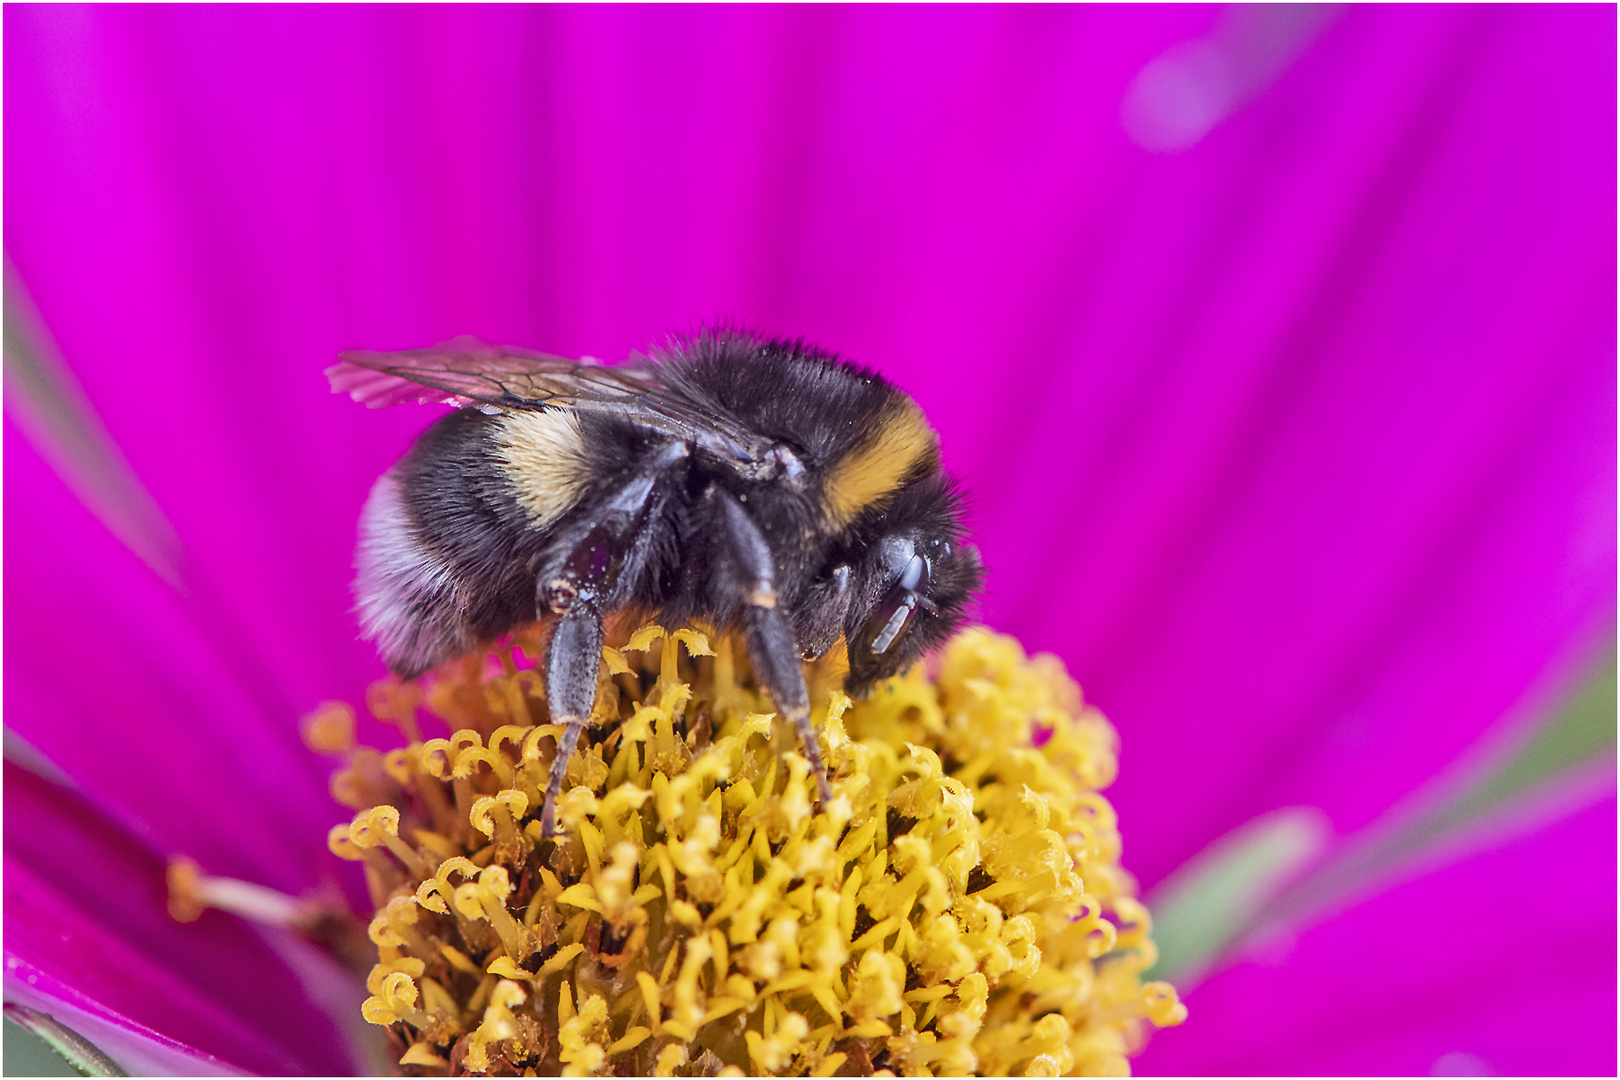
(776, 662)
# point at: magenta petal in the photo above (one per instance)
(1298, 445)
(117, 681)
(86, 924)
(211, 321)
(135, 1048)
(1506, 957)
(1320, 477)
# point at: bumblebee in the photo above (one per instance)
(765, 486)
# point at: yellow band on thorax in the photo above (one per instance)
(872, 471)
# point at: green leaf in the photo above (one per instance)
(54, 414)
(37, 1045)
(1581, 732)
(1209, 904)
(1516, 779)
(1248, 887)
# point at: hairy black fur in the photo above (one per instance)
(463, 508)
(672, 527)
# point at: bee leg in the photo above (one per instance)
(776, 662)
(571, 669)
(579, 586)
(574, 658)
(823, 613)
(771, 645)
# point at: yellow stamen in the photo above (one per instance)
(191, 892)
(956, 907)
(379, 826)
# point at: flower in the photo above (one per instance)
(957, 908)
(1291, 432)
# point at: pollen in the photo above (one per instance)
(957, 908)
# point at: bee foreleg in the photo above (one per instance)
(822, 613)
(771, 645)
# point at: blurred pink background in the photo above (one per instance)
(1276, 347)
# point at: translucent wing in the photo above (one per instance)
(467, 372)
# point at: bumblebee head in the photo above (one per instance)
(913, 588)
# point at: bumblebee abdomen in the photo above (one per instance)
(544, 457)
(460, 495)
(450, 534)
(410, 600)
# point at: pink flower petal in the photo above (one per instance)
(85, 906)
(133, 1047)
(126, 686)
(1506, 958)
(1297, 444)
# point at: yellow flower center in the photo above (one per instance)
(958, 907)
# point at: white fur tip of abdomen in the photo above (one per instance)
(406, 595)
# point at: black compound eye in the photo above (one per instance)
(885, 625)
(896, 554)
(905, 569)
(913, 575)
